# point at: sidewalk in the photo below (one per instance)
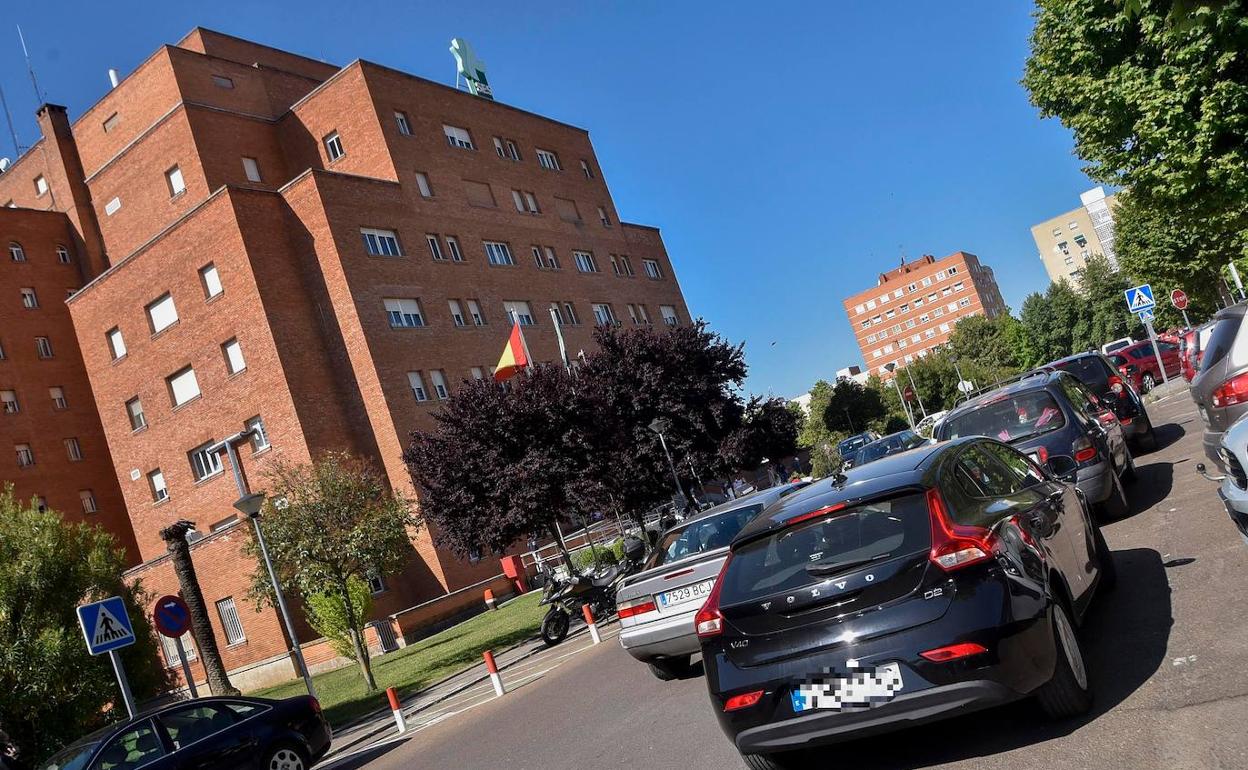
(517, 666)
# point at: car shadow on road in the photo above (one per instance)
(1124, 642)
(1152, 484)
(1167, 434)
(360, 758)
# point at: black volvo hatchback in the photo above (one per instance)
(930, 583)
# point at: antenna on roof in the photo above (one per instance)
(17, 148)
(30, 67)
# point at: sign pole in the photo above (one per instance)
(186, 667)
(1152, 337)
(1186, 323)
(123, 683)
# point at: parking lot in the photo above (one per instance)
(1167, 652)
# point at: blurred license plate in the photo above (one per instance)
(685, 594)
(861, 689)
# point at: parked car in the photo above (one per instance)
(848, 447)
(935, 582)
(1138, 363)
(207, 734)
(656, 606)
(1118, 344)
(889, 445)
(1220, 388)
(928, 423)
(1048, 413)
(1191, 348)
(1233, 450)
(1104, 380)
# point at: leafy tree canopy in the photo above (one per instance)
(851, 407)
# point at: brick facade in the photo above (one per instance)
(301, 294)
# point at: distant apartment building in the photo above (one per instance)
(322, 254)
(1067, 240)
(913, 308)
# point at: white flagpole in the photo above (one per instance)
(563, 350)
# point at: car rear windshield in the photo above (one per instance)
(1008, 418)
(704, 534)
(1220, 341)
(73, 758)
(1090, 370)
(887, 446)
(853, 537)
(847, 447)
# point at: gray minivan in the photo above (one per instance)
(1220, 389)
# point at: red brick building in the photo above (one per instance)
(913, 308)
(323, 252)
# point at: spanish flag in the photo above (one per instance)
(515, 355)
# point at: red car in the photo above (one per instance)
(1191, 349)
(1138, 364)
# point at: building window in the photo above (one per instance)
(57, 394)
(16, 252)
(116, 343)
(41, 186)
(519, 311)
(204, 464)
(43, 346)
(458, 137)
(897, 294)
(62, 255)
(400, 119)
(2, 356)
(603, 218)
(547, 159)
(230, 622)
(88, 500)
(952, 270)
(183, 386)
(259, 434)
(439, 384)
(29, 300)
(381, 243)
(526, 202)
(376, 584)
(333, 146)
(870, 304)
(113, 206)
(417, 384)
(477, 373)
(251, 169)
(211, 280)
(626, 266)
(506, 148)
(940, 275)
(603, 315)
(585, 169)
(177, 185)
(233, 352)
(161, 313)
(221, 81)
(552, 261)
(474, 310)
(652, 269)
(110, 123)
(73, 450)
(169, 647)
(927, 281)
(959, 286)
(964, 302)
(498, 253)
(566, 313)
(457, 314)
(134, 410)
(422, 184)
(452, 243)
(9, 399)
(669, 315)
(585, 262)
(435, 247)
(404, 313)
(25, 456)
(156, 483)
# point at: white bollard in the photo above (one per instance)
(495, 679)
(397, 708)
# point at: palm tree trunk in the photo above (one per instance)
(361, 654)
(201, 629)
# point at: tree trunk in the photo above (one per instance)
(201, 629)
(357, 642)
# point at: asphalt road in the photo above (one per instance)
(1168, 655)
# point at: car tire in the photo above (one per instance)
(1148, 440)
(1105, 560)
(1069, 692)
(1115, 506)
(285, 756)
(667, 669)
(786, 761)
(1147, 382)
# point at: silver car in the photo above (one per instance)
(657, 605)
(1233, 451)
(1220, 389)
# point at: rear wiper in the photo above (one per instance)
(832, 567)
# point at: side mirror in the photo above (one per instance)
(1064, 467)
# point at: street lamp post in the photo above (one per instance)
(656, 425)
(891, 368)
(250, 503)
(916, 391)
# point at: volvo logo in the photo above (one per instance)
(766, 606)
(841, 584)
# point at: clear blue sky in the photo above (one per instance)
(789, 151)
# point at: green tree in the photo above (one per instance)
(769, 432)
(1104, 313)
(51, 689)
(852, 407)
(817, 437)
(327, 614)
(328, 523)
(987, 341)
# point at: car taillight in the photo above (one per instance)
(1084, 450)
(636, 607)
(956, 545)
(744, 700)
(1233, 391)
(709, 621)
(1115, 384)
(1042, 455)
(953, 652)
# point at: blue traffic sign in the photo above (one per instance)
(1140, 298)
(1146, 316)
(106, 625)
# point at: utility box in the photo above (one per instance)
(513, 567)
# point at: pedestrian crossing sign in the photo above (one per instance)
(1140, 298)
(106, 625)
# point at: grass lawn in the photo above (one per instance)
(418, 665)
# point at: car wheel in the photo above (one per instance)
(1105, 560)
(1115, 506)
(1147, 383)
(1148, 439)
(667, 669)
(285, 756)
(1069, 692)
(785, 761)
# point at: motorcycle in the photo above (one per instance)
(566, 597)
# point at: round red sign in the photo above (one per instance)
(1178, 298)
(172, 616)
(908, 393)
